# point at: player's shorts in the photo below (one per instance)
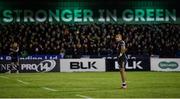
(15, 59)
(121, 60)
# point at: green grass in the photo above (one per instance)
(90, 84)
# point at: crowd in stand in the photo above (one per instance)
(91, 39)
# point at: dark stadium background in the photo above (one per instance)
(49, 50)
(147, 39)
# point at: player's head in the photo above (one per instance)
(118, 37)
(15, 44)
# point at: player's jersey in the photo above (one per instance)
(122, 58)
(14, 54)
(120, 44)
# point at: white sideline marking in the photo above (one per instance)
(4, 77)
(50, 89)
(25, 83)
(82, 96)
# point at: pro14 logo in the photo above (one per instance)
(82, 65)
(43, 66)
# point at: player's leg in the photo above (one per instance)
(11, 66)
(17, 66)
(9, 69)
(122, 72)
(123, 75)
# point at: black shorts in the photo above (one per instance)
(14, 59)
(122, 60)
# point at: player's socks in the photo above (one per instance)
(9, 72)
(17, 69)
(124, 85)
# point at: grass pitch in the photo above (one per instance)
(90, 85)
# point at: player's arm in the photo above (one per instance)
(17, 49)
(11, 49)
(123, 49)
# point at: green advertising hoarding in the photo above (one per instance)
(79, 11)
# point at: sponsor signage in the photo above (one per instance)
(32, 66)
(6, 66)
(32, 57)
(77, 65)
(165, 64)
(134, 63)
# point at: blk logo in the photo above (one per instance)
(82, 65)
(135, 65)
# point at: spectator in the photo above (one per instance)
(95, 39)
